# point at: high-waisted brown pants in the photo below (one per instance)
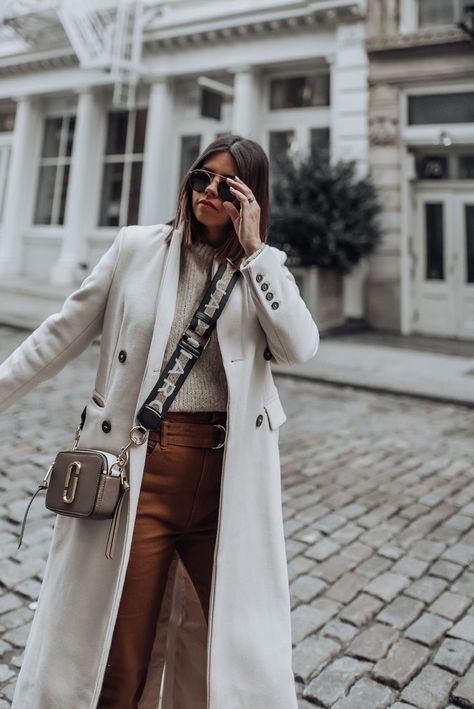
(177, 510)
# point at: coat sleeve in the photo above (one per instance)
(63, 335)
(292, 334)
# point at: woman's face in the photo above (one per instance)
(214, 217)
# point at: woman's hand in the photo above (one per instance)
(247, 220)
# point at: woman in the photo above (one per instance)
(196, 598)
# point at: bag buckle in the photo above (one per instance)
(149, 417)
(190, 343)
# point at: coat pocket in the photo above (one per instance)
(275, 412)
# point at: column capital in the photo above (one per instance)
(80, 90)
(241, 69)
(22, 98)
(157, 79)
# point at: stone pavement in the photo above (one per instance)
(428, 367)
(378, 502)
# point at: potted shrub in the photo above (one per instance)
(325, 217)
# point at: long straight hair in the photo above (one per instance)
(252, 168)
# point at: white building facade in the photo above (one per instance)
(421, 128)
(76, 163)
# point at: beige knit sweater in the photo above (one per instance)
(205, 387)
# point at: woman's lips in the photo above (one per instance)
(207, 204)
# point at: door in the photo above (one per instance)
(464, 266)
(444, 261)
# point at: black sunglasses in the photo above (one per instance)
(200, 179)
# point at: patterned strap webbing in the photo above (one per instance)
(189, 348)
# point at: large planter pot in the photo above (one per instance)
(322, 291)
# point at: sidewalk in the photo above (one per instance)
(429, 367)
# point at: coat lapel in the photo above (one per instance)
(165, 306)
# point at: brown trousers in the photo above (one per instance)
(177, 510)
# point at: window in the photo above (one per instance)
(466, 167)
(469, 217)
(123, 163)
(190, 145)
(438, 166)
(5, 155)
(441, 108)
(432, 167)
(299, 91)
(7, 122)
(440, 12)
(54, 170)
(211, 104)
(320, 141)
(282, 143)
(434, 243)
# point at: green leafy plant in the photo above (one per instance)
(323, 214)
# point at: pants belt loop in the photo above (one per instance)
(164, 433)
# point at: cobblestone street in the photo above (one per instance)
(378, 498)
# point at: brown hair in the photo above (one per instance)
(252, 168)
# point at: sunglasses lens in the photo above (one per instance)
(199, 180)
(224, 191)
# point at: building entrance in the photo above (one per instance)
(443, 241)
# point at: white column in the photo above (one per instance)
(78, 218)
(349, 129)
(20, 182)
(157, 191)
(245, 108)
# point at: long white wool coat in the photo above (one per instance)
(243, 661)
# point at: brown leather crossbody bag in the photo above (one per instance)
(93, 484)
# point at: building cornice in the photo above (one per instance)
(422, 38)
(38, 61)
(291, 17)
(173, 28)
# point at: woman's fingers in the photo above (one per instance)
(239, 188)
(240, 195)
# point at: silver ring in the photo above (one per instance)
(142, 432)
(251, 199)
(218, 425)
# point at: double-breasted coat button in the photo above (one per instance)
(267, 354)
(106, 426)
(122, 356)
(264, 286)
(275, 305)
(269, 295)
(259, 420)
(259, 277)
